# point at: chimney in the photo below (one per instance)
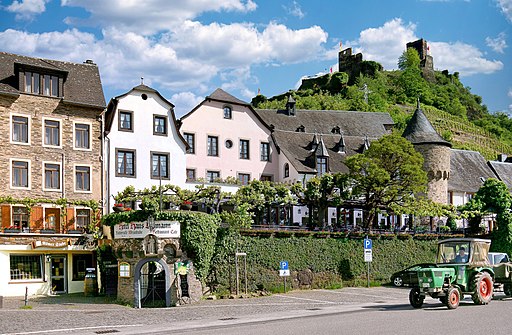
(290, 106)
(502, 158)
(89, 61)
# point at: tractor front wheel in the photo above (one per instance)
(482, 288)
(453, 298)
(415, 298)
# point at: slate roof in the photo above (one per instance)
(468, 171)
(503, 172)
(320, 134)
(82, 82)
(323, 122)
(419, 130)
(223, 96)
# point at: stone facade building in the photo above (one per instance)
(50, 130)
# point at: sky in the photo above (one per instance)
(186, 49)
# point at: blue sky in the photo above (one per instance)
(187, 49)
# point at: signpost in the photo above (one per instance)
(367, 243)
(284, 271)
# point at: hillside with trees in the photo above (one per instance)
(457, 114)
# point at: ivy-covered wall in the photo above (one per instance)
(330, 260)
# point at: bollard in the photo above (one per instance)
(26, 295)
(1, 301)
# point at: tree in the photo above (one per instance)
(388, 174)
(321, 192)
(410, 59)
(410, 79)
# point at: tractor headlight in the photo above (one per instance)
(429, 280)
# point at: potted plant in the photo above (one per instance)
(118, 208)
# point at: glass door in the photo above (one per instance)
(58, 274)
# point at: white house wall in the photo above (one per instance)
(144, 142)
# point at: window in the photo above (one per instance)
(211, 176)
(82, 178)
(227, 112)
(80, 265)
(213, 146)
(19, 217)
(82, 218)
(159, 125)
(244, 149)
(191, 174)
(50, 85)
(265, 152)
(286, 170)
(51, 176)
(125, 163)
(52, 132)
(190, 138)
(19, 129)
(159, 165)
(126, 121)
(82, 135)
(321, 165)
(244, 178)
(124, 269)
(266, 178)
(26, 267)
(19, 174)
(32, 83)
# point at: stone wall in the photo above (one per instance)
(135, 252)
(36, 108)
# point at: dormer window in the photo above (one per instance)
(321, 165)
(44, 84)
(301, 129)
(336, 130)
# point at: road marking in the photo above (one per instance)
(314, 300)
(361, 294)
(71, 329)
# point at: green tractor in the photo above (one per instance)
(462, 268)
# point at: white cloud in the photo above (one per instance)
(510, 93)
(506, 8)
(185, 102)
(27, 9)
(385, 44)
(150, 16)
(463, 58)
(295, 10)
(498, 44)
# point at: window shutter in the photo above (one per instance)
(36, 218)
(70, 218)
(6, 216)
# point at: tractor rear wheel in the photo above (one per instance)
(453, 298)
(415, 298)
(482, 288)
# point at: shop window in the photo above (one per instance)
(80, 265)
(26, 267)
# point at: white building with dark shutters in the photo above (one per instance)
(142, 144)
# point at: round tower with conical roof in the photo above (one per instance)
(436, 154)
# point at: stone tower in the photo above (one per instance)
(435, 151)
(426, 60)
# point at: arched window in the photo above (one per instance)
(286, 170)
(227, 112)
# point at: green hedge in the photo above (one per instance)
(332, 258)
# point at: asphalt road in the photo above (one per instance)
(382, 310)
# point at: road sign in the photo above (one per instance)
(367, 243)
(367, 255)
(284, 273)
(283, 265)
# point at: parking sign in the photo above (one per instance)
(367, 243)
(283, 265)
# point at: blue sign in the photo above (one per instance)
(283, 265)
(367, 243)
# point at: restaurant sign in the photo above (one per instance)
(50, 244)
(162, 229)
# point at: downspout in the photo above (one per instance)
(102, 159)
